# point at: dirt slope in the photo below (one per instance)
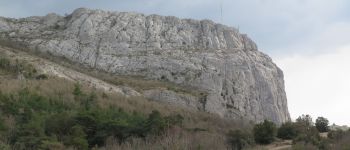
(52, 69)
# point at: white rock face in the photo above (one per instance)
(236, 79)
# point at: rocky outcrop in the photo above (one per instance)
(46, 67)
(235, 79)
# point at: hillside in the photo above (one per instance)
(195, 64)
(43, 107)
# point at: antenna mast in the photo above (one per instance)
(221, 12)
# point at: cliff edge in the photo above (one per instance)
(232, 77)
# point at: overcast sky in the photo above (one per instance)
(308, 39)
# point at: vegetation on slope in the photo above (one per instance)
(53, 113)
(44, 122)
(41, 112)
(304, 134)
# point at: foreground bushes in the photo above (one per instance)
(322, 124)
(342, 142)
(287, 131)
(265, 132)
(44, 122)
(239, 139)
(306, 135)
(303, 133)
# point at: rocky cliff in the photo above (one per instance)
(232, 77)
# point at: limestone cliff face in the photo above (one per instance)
(235, 79)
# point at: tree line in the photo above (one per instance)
(304, 133)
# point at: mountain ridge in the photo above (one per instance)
(238, 80)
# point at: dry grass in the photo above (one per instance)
(343, 143)
(138, 83)
(174, 139)
(199, 128)
(63, 89)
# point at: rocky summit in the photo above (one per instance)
(232, 78)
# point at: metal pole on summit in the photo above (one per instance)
(221, 17)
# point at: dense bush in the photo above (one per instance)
(311, 137)
(287, 131)
(41, 77)
(322, 124)
(324, 144)
(307, 135)
(4, 146)
(43, 122)
(265, 132)
(239, 139)
(343, 142)
(336, 134)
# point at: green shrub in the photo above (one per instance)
(17, 67)
(3, 127)
(265, 132)
(336, 134)
(41, 77)
(4, 146)
(324, 144)
(77, 138)
(59, 125)
(343, 142)
(239, 139)
(4, 63)
(174, 120)
(77, 92)
(322, 124)
(43, 122)
(287, 131)
(309, 135)
(155, 124)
